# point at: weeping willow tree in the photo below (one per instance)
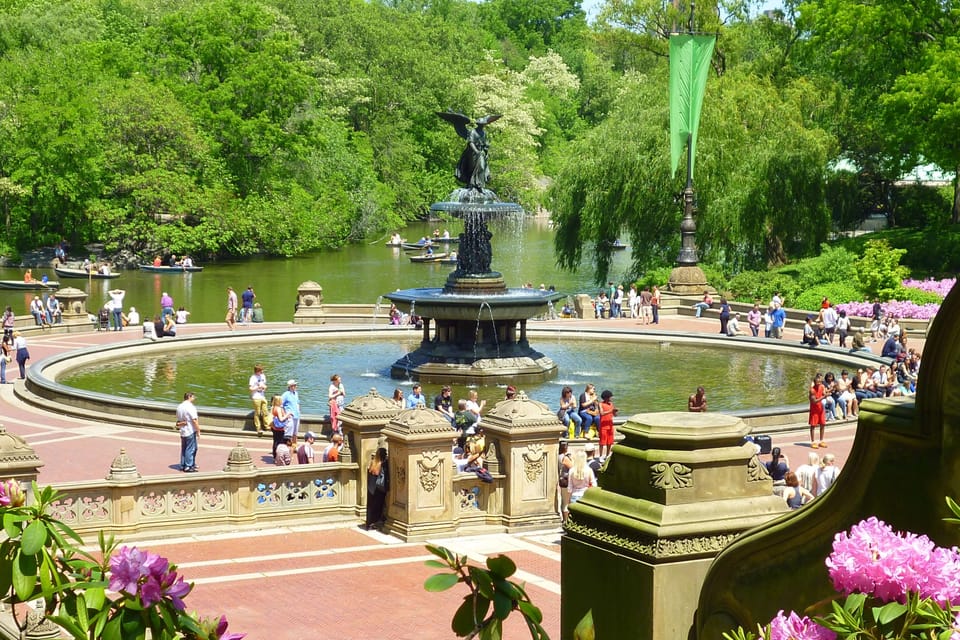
(761, 163)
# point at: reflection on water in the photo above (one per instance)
(642, 376)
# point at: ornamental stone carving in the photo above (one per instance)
(671, 475)
(649, 547)
(429, 465)
(756, 470)
(534, 461)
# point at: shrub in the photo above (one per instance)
(834, 264)
(836, 292)
(761, 285)
(919, 296)
(880, 271)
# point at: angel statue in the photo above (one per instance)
(472, 169)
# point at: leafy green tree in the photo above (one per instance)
(880, 272)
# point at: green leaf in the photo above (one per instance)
(502, 605)
(954, 507)
(508, 589)
(68, 624)
(463, 622)
(889, 612)
(493, 631)
(112, 630)
(435, 564)
(854, 602)
(482, 581)
(440, 582)
(443, 553)
(11, 524)
(24, 575)
(530, 611)
(502, 566)
(585, 629)
(34, 537)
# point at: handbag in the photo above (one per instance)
(561, 414)
(7, 359)
(381, 484)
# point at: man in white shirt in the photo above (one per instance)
(188, 422)
(258, 387)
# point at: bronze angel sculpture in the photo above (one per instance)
(472, 169)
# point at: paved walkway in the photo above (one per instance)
(323, 581)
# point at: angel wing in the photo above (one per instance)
(459, 121)
(485, 120)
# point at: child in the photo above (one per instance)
(607, 412)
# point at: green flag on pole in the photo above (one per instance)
(689, 64)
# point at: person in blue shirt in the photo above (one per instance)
(779, 318)
(291, 405)
(416, 397)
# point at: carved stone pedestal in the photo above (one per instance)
(309, 304)
(674, 493)
(363, 418)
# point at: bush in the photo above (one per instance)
(880, 272)
(836, 292)
(834, 264)
(918, 296)
(920, 206)
(749, 286)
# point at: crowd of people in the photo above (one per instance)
(808, 481)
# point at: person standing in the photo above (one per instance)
(166, 305)
(818, 416)
(754, 317)
(246, 299)
(778, 317)
(9, 321)
(279, 419)
(258, 387)
(188, 422)
(724, 315)
(305, 453)
(607, 413)
(646, 306)
(336, 396)
(116, 308)
(378, 485)
(20, 346)
(655, 304)
(231, 318)
(7, 348)
(291, 404)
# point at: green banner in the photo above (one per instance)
(689, 64)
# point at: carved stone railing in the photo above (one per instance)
(477, 503)
(175, 502)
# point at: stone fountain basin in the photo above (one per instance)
(512, 304)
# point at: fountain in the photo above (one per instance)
(474, 328)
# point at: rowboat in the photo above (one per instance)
(452, 259)
(415, 246)
(29, 286)
(67, 272)
(168, 269)
(447, 240)
(616, 245)
(391, 243)
(437, 257)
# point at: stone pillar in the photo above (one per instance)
(420, 502)
(18, 461)
(309, 304)
(363, 419)
(527, 433)
(678, 489)
(74, 304)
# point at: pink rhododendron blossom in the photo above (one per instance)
(875, 560)
(894, 308)
(222, 631)
(939, 287)
(147, 575)
(793, 627)
(11, 494)
(956, 628)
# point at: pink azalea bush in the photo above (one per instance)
(904, 308)
(895, 585)
(148, 593)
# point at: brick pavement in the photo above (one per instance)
(323, 581)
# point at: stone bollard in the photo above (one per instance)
(309, 304)
(678, 489)
(74, 304)
(363, 419)
(420, 501)
(527, 434)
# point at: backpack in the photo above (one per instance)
(564, 472)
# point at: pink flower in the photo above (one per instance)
(11, 494)
(222, 631)
(793, 627)
(875, 560)
(147, 575)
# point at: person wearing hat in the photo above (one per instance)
(291, 405)
(607, 412)
(592, 460)
(305, 453)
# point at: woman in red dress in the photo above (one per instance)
(817, 413)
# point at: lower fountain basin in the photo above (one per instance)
(511, 304)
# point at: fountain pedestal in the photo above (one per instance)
(474, 328)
